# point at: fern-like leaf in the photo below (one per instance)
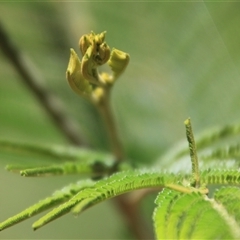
(76, 160)
(58, 197)
(188, 216)
(229, 152)
(55, 152)
(116, 184)
(203, 141)
(81, 167)
(162, 213)
(229, 197)
(227, 176)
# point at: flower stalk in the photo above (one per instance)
(85, 80)
(105, 110)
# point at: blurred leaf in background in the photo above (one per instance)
(185, 61)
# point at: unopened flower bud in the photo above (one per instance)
(84, 43)
(118, 62)
(88, 67)
(74, 76)
(99, 38)
(103, 54)
(100, 50)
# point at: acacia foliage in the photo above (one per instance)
(182, 211)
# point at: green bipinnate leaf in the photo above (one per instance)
(161, 214)
(204, 141)
(224, 153)
(227, 176)
(229, 197)
(183, 209)
(115, 185)
(82, 167)
(188, 216)
(55, 152)
(76, 160)
(58, 197)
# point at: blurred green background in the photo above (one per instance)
(185, 61)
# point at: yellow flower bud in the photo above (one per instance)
(99, 38)
(74, 76)
(84, 76)
(103, 54)
(84, 43)
(118, 62)
(89, 67)
(100, 50)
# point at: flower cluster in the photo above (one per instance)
(83, 76)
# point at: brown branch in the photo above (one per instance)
(137, 196)
(129, 204)
(34, 82)
(132, 214)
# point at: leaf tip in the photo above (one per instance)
(23, 173)
(35, 226)
(187, 121)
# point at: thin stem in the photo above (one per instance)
(32, 80)
(129, 211)
(132, 214)
(109, 121)
(193, 153)
(183, 189)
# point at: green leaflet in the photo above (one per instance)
(220, 133)
(93, 167)
(180, 213)
(230, 152)
(125, 181)
(116, 184)
(229, 197)
(191, 210)
(85, 167)
(212, 136)
(76, 160)
(187, 216)
(209, 224)
(203, 141)
(57, 198)
(55, 152)
(162, 213)
(228, 176)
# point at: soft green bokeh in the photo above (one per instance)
(185, 61)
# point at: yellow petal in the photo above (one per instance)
(74, 76)
(118, 62)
